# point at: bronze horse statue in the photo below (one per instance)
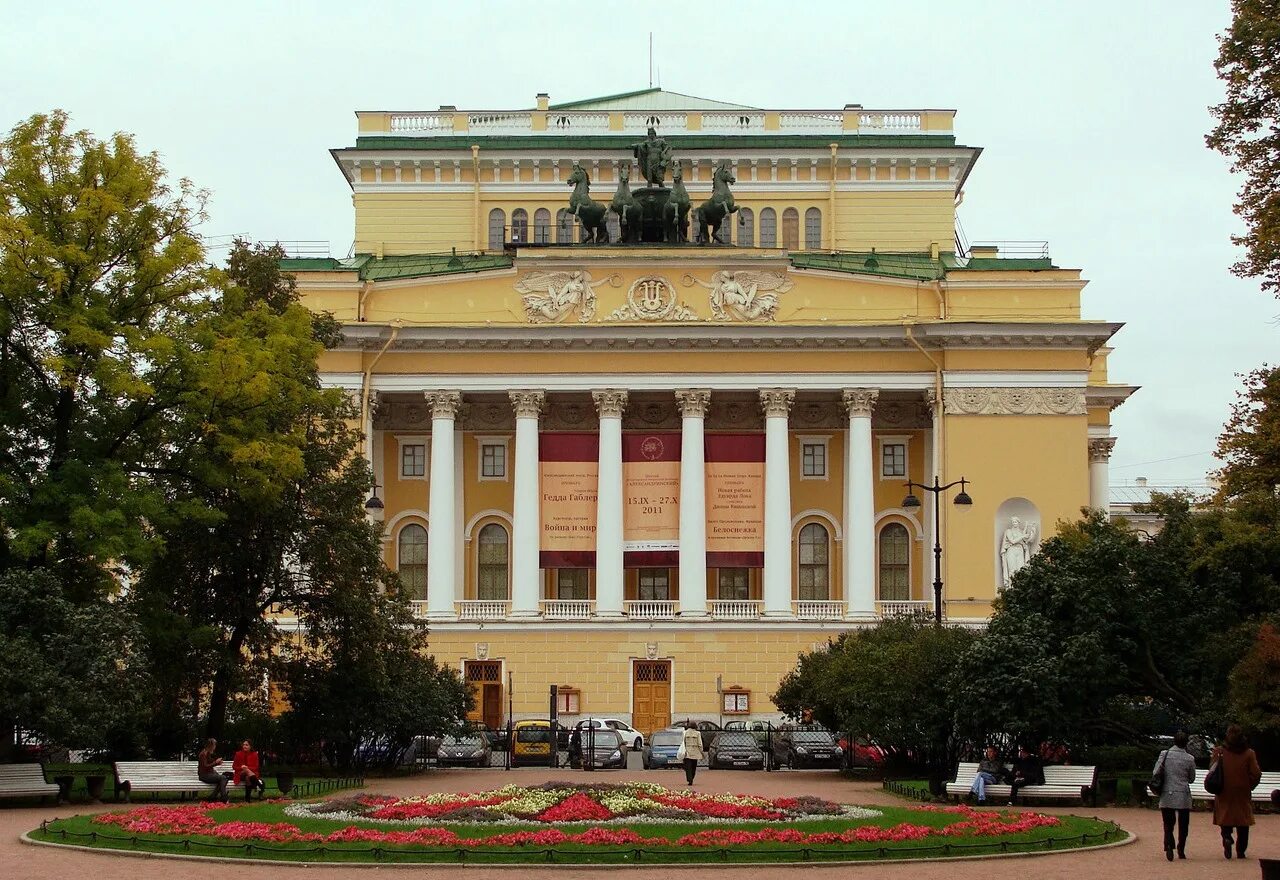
(711, 214)
(675, 220)
(590, 212)
(628, 208)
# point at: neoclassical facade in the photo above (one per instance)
(650, 474)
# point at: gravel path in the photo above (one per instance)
(1138, 861)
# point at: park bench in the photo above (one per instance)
(26, 780)
(1060, 781)
(1266, 791)
(161, 776)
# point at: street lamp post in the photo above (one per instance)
(374, 507)
(911, 501)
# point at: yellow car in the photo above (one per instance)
(532, 743)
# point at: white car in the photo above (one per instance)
(633, 738)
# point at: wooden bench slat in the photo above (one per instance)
(1060, 781)
(25, 780)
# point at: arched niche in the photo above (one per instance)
(1017, 537)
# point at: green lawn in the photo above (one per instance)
(81, 830)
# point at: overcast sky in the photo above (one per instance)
(1092, 115)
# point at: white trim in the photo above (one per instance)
(905, 514)
(796, 527)
(823, 440)
(403, 440)
(471, 524)
(395, 539)
(910, 567)
(405, 514)
(836, 530)
(819, 189)
(503, 440)
(474, 553)
(903, 440)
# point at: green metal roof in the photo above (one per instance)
(911, 265)
(315, 264)
(1003, 263)
(370, 268)
(624, 141)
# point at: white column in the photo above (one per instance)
(442, 538)
(1099, 473)
(777, 501)
(693, 502)
(609, 572)
(525, 572)
(860, 527)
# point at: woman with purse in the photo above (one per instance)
(1174, 772)
(1237, 771)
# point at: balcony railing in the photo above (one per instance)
(904, 608)
(568, 609)
(418, 607)
(483, 609)
(652, 609)
(818, 610)
(735, 609)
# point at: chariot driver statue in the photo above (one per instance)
(654, 155)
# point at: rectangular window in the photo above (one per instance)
(655, 584)
(568, 701)
(813, 460)
(893, 458)
(413, 460)
(733, 583)
(571, 583)
(493, 460)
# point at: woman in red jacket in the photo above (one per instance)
(245, 766)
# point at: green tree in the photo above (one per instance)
(101, 273)
(1248, 131)
(1255, 691)
(1249, 444)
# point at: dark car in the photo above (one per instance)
(708, 730)
(735, 750)
(598, 748)
(464, 750)
(660, 751)
(806, 748)
(761, 730)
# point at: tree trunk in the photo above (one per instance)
(220, 693)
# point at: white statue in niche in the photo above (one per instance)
(1016, 546)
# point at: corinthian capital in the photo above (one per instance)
(610, 402)
(444, 404)
(777, 401)
(693, 402)
(1100, 448)
(860, 401)
(527, 404)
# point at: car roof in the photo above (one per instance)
(534, 722)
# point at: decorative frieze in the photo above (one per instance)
(610, 402)
(527, 404)
(652, 298)
(747, 296)
(1013, 401)
(859, 401)
(777, 401)
(737, 413)
(550, 296)
(891, 413)
(694, 402)
(1100, 449)
(569, 415)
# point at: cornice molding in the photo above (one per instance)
(1013, 401)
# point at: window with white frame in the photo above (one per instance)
(655, 584)
(568, 701)
(493, 568)
(413, 458)
(895, 563)
(572, 583)
(493, 458)
(411, 560)
(893, 457)
(813, 458)
(733, 583)
(815, 564)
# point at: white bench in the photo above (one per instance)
(1266, 791)
(1060, 781)
(26, 780)
(162, 776)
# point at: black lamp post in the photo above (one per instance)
(374, 507)
(912, 501)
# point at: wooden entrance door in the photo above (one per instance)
(651, 695)
(485, 679)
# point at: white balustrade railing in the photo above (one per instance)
(422, 123)
(735, 609)
(568, 609)
(577, 123)
(811, 123)
(662, 121)
(818, 610)
(418, 608)
(500, 123)
(483, 609)
(904, 608)
(652, 609)
(888, 123)
(743, 122)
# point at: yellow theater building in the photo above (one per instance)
(651, 472)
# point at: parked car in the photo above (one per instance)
(660, 752)
(464, 750)
(862, 752)
(735, 750)
(708, 729)
(532, 742)
(806, 748)
(761, 730)
(633, 738)
(600, 748)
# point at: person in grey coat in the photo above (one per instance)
(1179, 771)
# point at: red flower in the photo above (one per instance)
(575, 808)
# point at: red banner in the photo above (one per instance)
(568, 466)
(735, 500)
(651, 499)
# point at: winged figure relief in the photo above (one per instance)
(549, 296)
(745, 295)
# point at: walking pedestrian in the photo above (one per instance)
(1177, 770)
(691, 747)
(1233, 806)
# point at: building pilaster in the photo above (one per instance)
(859, 530)
(776, 403)
(525, 570)
(442, 563)
(693, 502)
(609, 571)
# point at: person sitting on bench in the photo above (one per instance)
(1028, 769)
(245, 766)
(207, 767)
(990, 770)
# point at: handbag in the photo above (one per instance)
(1156, 785)
(681, 754)
(1213, 779)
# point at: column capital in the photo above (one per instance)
(444, 404)
(931, 400)
(777, 401)
(527, 404)
(1100, 448)
(860, 401)
(610, 402)
(693, 402)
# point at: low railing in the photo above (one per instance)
(422, 123)
(660, 121)
(499, 123)
(893, 608)
(652, 609)
(733, 122)
(818, 610)
(577, 123)
(483, 609)
(811, 123)
(418, 607)
(735, 609)
(888, 123)
(568, 609)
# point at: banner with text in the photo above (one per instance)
(651, 499)
(568, 466)
(735, 500)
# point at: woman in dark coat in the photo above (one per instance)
(1233, 806)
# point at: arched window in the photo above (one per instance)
(542, 226)
(746, 228)
(815, 564)
(520, 226)
(614, 225)
(791, 229)
(812, 229)
(564, 226)
(411, 560)
(497, 232)
(768, 228)
(895, 563)
(493, 567)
